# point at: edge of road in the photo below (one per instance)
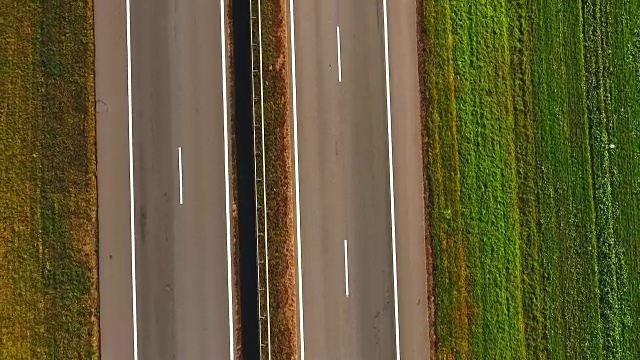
(413, 274)
(232, 178)
(422, 55)
(292, 106)
(114, 265)
(235, 244)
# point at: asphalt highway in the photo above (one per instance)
(183, 300)
(348, 210)
(114, 230)
(362, 297)
(179, 183)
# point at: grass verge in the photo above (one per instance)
(440, 153)
(48, 216)
(471, 179)
(436, 103)
(570, 311)
(531, 144)
(520, 49)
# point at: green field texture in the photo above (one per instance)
(612, 36)
(530, 237)
(48, 232)
(623, 126)
(571, 323)
(471, 179)
(487, 177)
(443, 182)
(531, 128)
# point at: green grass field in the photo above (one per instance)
(48, 230)
(613, 35)
(531, 126)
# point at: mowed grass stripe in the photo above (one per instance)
(471, 179)
(620, 152)
(546, 118)
(520, 42)
(596, 27)
(571, 310)
(48, 278)
(488, 178)
(443, 183)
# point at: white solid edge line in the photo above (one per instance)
(339, 56)
(223, 45)
(264, 188)
(296, 163)
(346, 268)
(391, 181)
(180, 172)
(131, 191)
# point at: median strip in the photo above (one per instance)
(274, 190)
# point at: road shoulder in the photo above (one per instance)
(407, 142)
(114, 231)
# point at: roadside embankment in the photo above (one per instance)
(529, 113)
(48, 215)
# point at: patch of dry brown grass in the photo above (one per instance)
(278, 162)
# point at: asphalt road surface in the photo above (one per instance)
(345, 202)
(179, 182)
(114, 230)
(183, 300)
(344, 178)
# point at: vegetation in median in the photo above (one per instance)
(278, 181)
(48, 232)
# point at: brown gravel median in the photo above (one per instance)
(278, 182)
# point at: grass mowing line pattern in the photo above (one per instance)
(520, 48)
(611, 47)
(48, 215)
(440, 142)
(487, 176)
(623, 126)
(532, 207)
(471, 158)
(570, 273)
(423, 81)
(233, 176)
